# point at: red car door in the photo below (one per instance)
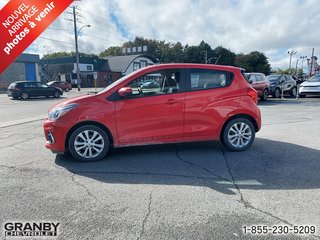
(151, 114)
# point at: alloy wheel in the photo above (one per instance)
(89, 144)
(239, 135)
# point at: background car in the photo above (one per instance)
(282, 82)
(26, 89)
(194, 102)
(150, 84)
(311, 86)
(61, 84)
(260, 83)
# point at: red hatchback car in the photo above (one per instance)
(191, 102)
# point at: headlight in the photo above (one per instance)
(59, 112)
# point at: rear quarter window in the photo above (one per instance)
(202, 79)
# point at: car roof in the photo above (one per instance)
(193, 65)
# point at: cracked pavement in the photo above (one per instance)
(177, 191)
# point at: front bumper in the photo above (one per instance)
(309, 90)
(55, 134)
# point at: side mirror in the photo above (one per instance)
(250, 81)
(125, 91)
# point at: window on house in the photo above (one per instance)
(136, 66)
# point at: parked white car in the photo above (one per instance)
(311, 86)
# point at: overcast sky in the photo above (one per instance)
(269, 26)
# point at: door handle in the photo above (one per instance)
(172, 101)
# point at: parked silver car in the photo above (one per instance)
(311, 86)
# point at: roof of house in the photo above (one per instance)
(26, 57)
(121, 63)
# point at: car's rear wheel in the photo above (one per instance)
(67, 89)
(89, 143)
(24, 95)
(277, 93)
(57, 94)
(265, 94)
(238, 134)
(293, 92)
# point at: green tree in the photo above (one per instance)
(224, 56)
(111, 51)
(253, 62)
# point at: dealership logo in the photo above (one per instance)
(31, 229)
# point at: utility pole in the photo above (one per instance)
(291, 53)
(205, 57)
(77, 50)
(311, 61)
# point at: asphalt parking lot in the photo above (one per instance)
(177, 191)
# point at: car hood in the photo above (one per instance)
(310, 84)
(83, 99)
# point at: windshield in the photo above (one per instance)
(315, 78)
(273, 78)
(116, 82)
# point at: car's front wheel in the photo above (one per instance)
(67, 89)
(277, 93)
(89, 143)
(238, 134)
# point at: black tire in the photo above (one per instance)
(97, 146)
(265, 95)
(67, 89)
(231, 138)
(56, 94)
(24, 95)
(277, 93)
(293, 92)
(15, 98)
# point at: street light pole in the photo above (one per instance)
(76, 33)
(302, 59)
(291, 53)
(296, 69)
(76, 44)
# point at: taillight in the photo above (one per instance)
(253, 94)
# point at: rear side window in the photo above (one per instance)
(202, 79)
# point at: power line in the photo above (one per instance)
(54, 40)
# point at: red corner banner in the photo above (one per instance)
(21, 22)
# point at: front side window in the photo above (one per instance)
(253, 78)
(202, 79)
(156, 83)
(259, 78)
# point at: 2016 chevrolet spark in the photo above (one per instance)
(185, 103)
